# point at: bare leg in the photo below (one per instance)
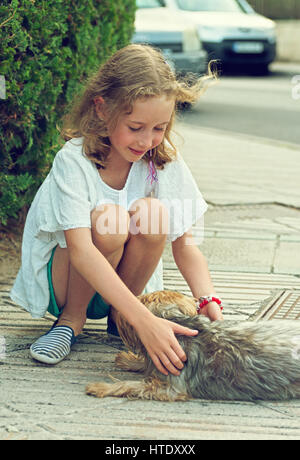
(135, 257)
(79, 294)
(144, 249)
(73, 293)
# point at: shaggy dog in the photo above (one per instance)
(243, 361)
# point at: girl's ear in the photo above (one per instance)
(100, 107)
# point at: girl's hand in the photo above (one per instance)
(158, 337)
(212, 311)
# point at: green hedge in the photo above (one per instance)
(47, 49)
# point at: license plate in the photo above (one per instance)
(248, 47)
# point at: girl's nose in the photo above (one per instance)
(145, 142)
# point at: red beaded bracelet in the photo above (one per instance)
(203, 301)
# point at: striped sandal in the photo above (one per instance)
(54, 346)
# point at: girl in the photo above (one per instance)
(96, 230)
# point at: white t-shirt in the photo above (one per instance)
(65, 200)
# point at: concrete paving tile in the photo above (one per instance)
(287, 258)
(239, 254)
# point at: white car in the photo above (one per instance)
(231, 31)
(175, 36)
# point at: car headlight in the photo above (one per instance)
(191, 41)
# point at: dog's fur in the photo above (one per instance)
(243, 361)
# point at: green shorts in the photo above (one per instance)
(97, 308)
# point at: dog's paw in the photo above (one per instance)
(99, 390)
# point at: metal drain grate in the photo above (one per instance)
(285, 305)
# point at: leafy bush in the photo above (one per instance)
(47, 49)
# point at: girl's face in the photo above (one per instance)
(142, 129)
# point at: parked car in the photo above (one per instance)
(167, 30)
(230, 30)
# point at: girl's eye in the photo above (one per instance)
(137, 129)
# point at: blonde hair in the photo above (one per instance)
(134, 72)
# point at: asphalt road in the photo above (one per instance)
(264, 106)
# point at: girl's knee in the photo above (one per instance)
(110, 227)
(149, 218)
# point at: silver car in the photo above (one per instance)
(175, 36)
(230, 30)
